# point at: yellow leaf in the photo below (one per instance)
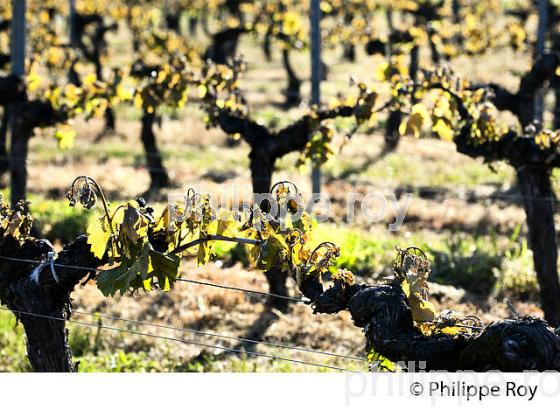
(452, 330)
(166, 285)
(292, 23)
(325, 7)
(90, 79)
(161, 76)
(381, 73)
(33, 81)
(202, 91)
(138, 100)
(406, 288)
(443, 130)
(422, 310)
(44, 17)
(71, 92)
(65, 136)
(98, 236)
(413, 125)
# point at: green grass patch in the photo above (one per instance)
(13, 356)
(56, 220)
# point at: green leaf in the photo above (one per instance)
(141, 264)
(127, 275)
(111, 280)
(165, 268)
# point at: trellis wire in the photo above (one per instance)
(174, 339)
(221, 336)
(212, 284)
(256, 292)
(210, 334)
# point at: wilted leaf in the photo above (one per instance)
(135, 225)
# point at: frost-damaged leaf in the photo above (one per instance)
(135, 225)
(413, 271)
(270, 251)
(204, 253)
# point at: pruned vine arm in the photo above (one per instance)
(250, 131)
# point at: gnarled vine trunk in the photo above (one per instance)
(384, 313)
(266, 45)
(277, 280)
(20, 135)
(262, 166)
(293, 89)
(4, 158)
(158, 174)
(557, 107)
(43, 307)
(533, 166)
(539, 203)
(173, 20)
(349, 52)
(224, 44)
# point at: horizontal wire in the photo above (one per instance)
(192, 342)
(234, 288)
(216, 285)
(32, 161)
(85, 268)
(221, 336)
(211, 334)
(212, 284)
